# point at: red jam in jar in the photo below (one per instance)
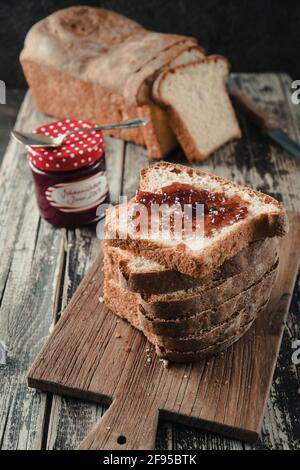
(70, 180)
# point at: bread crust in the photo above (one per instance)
(203, 333)
(123, 303)
(96, 45)
(186, 312)
(218, 333)
(65, 96)
(183, 135)
(137, 90)
(206, 319)
(207, 297)
(201, 264)
(200, 354)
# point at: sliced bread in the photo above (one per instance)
(184, 305)
(190, 332)
(190, 54)
(149, 277)
(203, 353)
(205, 338)
(138, 88)
(206, 319)
(196, 100)
(263, 217)
(123, 303)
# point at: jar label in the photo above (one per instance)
(80, 195)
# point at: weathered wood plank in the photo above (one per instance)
(185, 438)
(281, 429)
(8, 114)
(66, 414)
(30, 251)
(24, 328)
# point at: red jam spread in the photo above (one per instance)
(219, 210)
(70, 180)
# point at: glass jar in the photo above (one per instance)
(70, 180)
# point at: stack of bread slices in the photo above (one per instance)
(192, 299)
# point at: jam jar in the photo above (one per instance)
(70, 180)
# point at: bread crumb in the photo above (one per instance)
(117, 335)
(165, 363)
(108, 428)
(101, 299)
(149, 360)
(185, 376)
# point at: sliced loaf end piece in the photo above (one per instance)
(198, 105)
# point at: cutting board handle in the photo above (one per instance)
(126, 425)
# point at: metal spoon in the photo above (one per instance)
(39, 140)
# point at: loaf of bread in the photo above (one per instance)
(94, 64)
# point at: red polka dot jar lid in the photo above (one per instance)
(78, 150)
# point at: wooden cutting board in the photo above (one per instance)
(93, 355)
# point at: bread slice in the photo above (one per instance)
(149, 277)
(181, 305)
(186, 303)
(179, 326)
(201, 329)
(190, 54)
(198, 105)
(138, 89)
(265, 218)
(123, 303)
(206, 338)
(204, 353)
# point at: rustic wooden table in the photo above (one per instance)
(41, 267)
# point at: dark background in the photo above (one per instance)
(256, 35)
